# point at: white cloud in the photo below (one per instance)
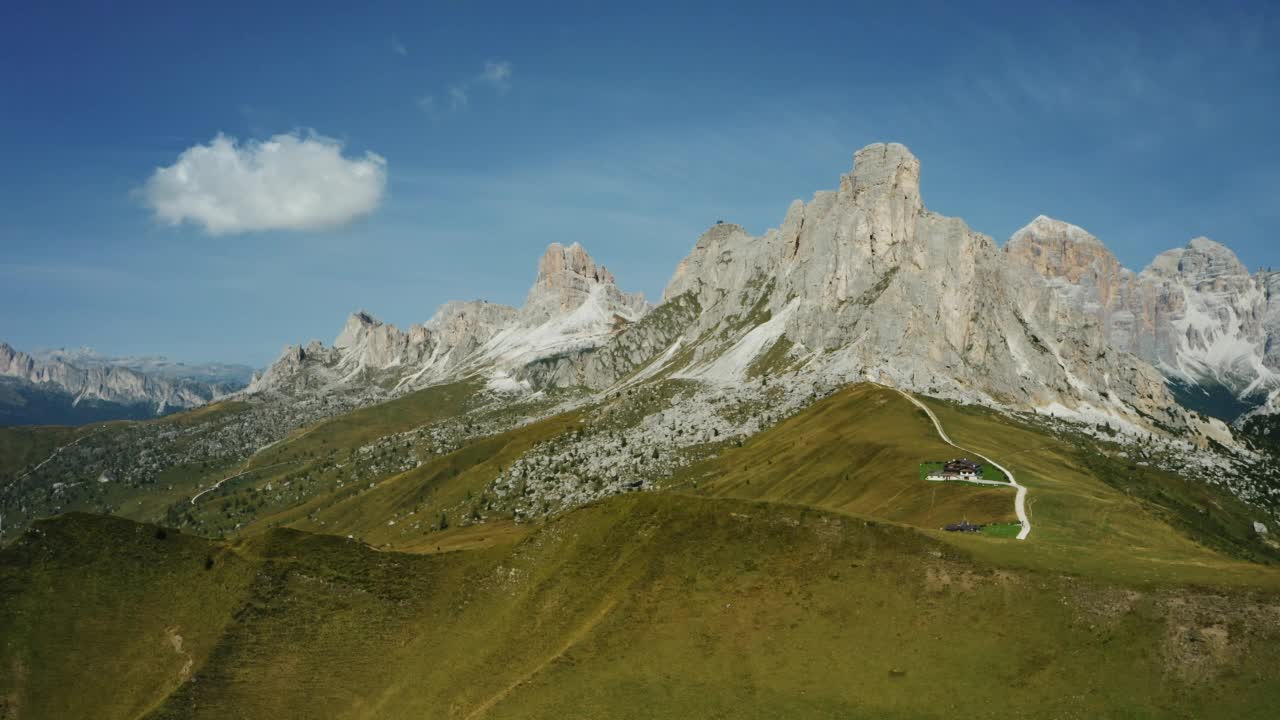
(498, 74)
(427, 103)
(398, 47)
(458, 98)
(289, 182)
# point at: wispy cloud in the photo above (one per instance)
(1146, 87)
(496, 76)
(398, 47)
(458, 98)
(497, 73)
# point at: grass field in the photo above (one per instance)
(24, 446)
(802, 574)
(1086, 525)
(452, 484)
(643, 606)
(858, 451)
(1002, 530)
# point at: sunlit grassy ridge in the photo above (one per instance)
(452, 485)
(801, 574)
(857, 451)
(643, 606)
(358, 427)
(1089, 519)
(103, 617)
(24, 446)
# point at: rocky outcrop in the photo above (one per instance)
(567, 279)
(102, 385)
(1270, 285)
(866, 282)
(633, 347)
(1087, 275)
(574, 306)
(1195, 312)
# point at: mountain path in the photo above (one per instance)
(57, 451)
(1020, 499)
(242, 473)
(573, 639)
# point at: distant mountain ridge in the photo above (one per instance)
(1195, 313)
(52, 390)
(214, 373)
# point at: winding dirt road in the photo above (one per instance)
(1019, 500)
(218, 484)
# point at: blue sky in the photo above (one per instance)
(505, 127)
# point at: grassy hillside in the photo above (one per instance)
(798, 574)
(403, 510)
(413, 458)
(1093, 511)
(353, 429)
(103, 617)
(857, 451)
(643, 606)
(68, 484)
(1099, 514)
(24, 446)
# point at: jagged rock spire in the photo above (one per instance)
(567, 278)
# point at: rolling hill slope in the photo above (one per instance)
(650, 605)
(858, 451)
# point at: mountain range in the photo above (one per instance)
(1195, 313)
(213, 373)
(862, 282)
(80, 386)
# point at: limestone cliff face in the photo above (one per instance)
(105, 383)
(1270, 285)
(866, 281)
(1086, 274)
(1195, 312)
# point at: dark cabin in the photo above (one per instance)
(963, 466)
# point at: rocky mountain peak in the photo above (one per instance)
(574, 305)
(1195, 312)
(1065, 253)
(885, 169)
(567, 278)
(558, 260)
(865, 282)
(1044, 230)
(1211, 259)
(358, 324)
(1202, 259)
